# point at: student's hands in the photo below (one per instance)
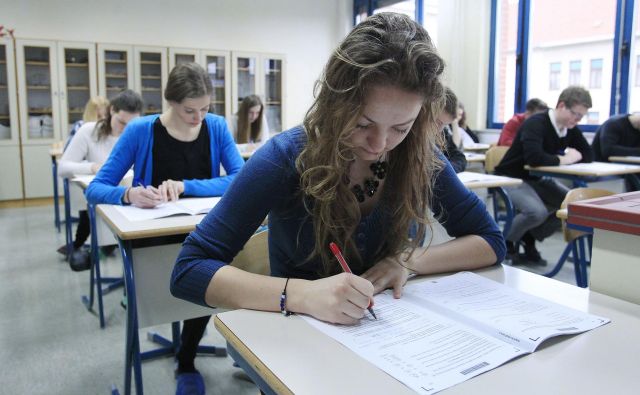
(571, 155)
(170, 190)
(388, 273)
(95, 167)
(142, 197)
(340, 299)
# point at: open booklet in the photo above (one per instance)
(445, 331)
(188, 206)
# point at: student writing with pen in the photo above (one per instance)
(362, 171)
(177, 153)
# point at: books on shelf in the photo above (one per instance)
(188, 206)
(448, 330)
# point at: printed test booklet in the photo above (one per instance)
(188, 206)
(445, 331)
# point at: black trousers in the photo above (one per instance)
(83, 230)
(192, 332)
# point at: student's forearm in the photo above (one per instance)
(464, 253)
(231, 287)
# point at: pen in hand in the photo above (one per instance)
(338, 254)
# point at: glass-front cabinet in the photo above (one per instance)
(182, 55)
(115, 69)
(78, 82)
(217, 65)
(8, 97)
(272, 74)
(38, 91)
(150, 77)
(261, 74)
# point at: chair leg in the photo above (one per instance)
(561, 261)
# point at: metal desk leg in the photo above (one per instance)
(96, 278)
(132, 347)
(56, 197)
(508, 207)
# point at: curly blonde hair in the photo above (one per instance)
(386, 49)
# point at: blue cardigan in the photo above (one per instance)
(135, 147)
(269, 184)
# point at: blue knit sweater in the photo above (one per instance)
(135, 147)
(269, 184)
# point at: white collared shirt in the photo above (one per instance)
(552, 116)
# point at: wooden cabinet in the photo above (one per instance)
(218, 65)
(263, 75)
(10, 165)
(115, 69)
(150, 75)
(78, 81)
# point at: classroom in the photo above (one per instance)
(243, 197)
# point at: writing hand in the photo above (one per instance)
(341, 299)
(571, 155)
(388, 273)
(95, 167)
(142, 197)
(170, 190)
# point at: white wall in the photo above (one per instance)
(464, 28)
(305, 31)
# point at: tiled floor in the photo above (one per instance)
(52, 345)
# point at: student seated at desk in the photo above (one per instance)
(362, 171)
(510, 128)
(469, 137)
(445, 122)
(95, 110)
(550, 138)
(177, 153)
(249, 125)
(619, 136)
(88, 151)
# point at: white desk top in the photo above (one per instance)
(593, 169)
(476, 147)
(627, 159)
(293, 357)
(130, 230)
(474, 157)
(473, 180)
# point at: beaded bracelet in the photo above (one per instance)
(283, 300)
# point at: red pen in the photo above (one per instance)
(338, 254)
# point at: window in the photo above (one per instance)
(554, 75)
(575, 67)
(637, 69)
(593, 118)
(595, 77)
(364, 8)
(548, 53)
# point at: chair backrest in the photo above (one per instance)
(493, 156)
(254, 257)
(575, 195)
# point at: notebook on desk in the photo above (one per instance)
(189, 206)
(445, 331)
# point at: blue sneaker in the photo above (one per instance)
(190, 384)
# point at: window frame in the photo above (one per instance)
(619, 95)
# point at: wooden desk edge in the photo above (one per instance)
(142, 234)
(258, 366)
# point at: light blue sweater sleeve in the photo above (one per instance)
(105, 186)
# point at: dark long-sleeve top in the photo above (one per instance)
(270, 184)
(538, 144)
(616, 137)
(452, 153)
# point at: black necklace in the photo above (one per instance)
(379, 170)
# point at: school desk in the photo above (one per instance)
(149, 250)
(495, 185)
(55, 152)
(474, 157)
(615, 257)
(625, 159)
(100, 236)
(286, 355)
(476, 147)
(582, 173)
